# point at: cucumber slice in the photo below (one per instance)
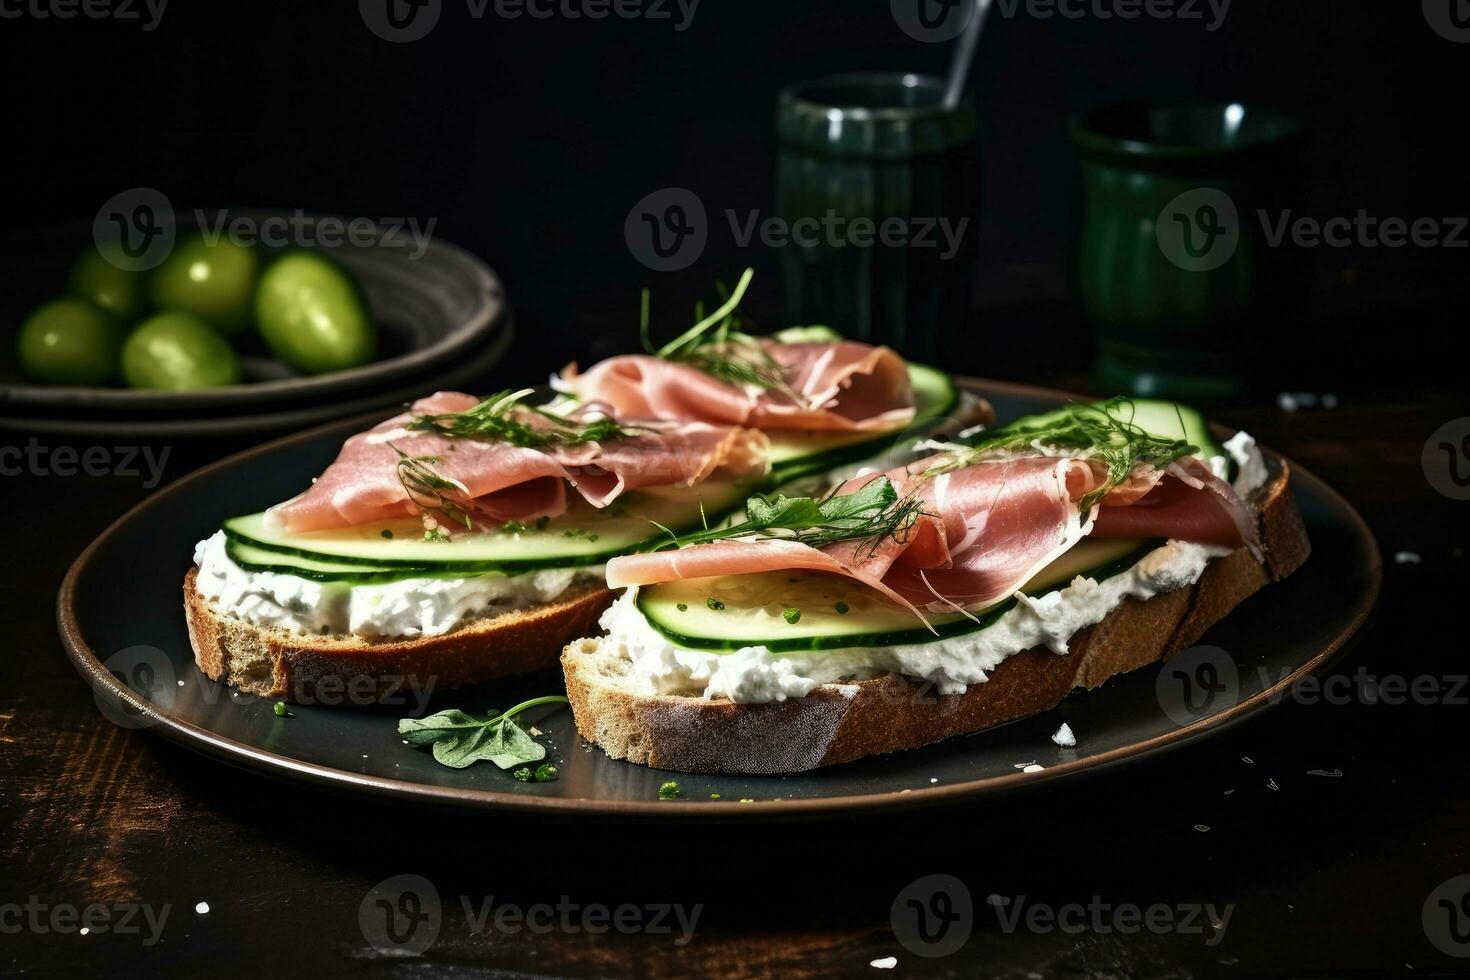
(253, 558)
(795, 453)
(1165, 419)
(734, 611)
(584, 537)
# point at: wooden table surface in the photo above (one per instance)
(1322, 875)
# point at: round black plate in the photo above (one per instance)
(121, 620)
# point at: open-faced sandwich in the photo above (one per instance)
(971, 587)
(466, 538)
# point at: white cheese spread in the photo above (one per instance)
(404, 608)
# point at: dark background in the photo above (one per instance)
(530, 140)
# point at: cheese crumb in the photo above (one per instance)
(1064, 736)
(886, 963)
(202, 908)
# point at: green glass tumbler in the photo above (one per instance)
(878, 184)
(1176, 272)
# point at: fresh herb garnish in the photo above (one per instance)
(546, 773)
(682, 606)
(717, 346)
(577, 532)
(514, 527)
(1105, 432)
(280, 709)
(523, 774)
(869, 515)
(669, 791)
(426, 488)
(434, 535)
(386, 534)
(792, 615)
(460, 739)
(714, 603)
(842, 608)
(502, 418)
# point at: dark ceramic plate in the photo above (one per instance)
(120, 617)
(435, 311)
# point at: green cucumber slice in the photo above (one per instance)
(253, 558)
(734, 611)
(795, 454)
(585, 537)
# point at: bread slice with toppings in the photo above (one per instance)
(351, 670)
(838, 723)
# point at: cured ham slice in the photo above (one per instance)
(988, 528)
(842, 386)
(498, 481)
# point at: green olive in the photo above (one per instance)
(312, 314)
(107, 285)
(69, 342)
(178, 352)
(212, 280)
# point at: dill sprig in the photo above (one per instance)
(1105, 431)
(717, 346)
(428, 489)
(502, 418)
(870, 515)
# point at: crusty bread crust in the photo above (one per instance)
(840, 723)
(349, 670)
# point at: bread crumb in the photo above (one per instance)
(1064, 736)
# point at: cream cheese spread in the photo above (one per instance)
(404, 608)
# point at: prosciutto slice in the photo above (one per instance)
(988, 528)
(842, 386)
(498, 481)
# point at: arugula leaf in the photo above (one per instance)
(460, 739)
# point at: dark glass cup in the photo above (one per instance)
(1176, 273)
(878, 184)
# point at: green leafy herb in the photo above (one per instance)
(435, 536)
(577, 532)
(1105, 432)
(714, 603)
(524, 774)
(717, 346)
(792, 615)
(546, 773)
(669, 791)
(515, 527)
(682, 606)
(280, 709)
(426, 488)
(460, 739)
(502, 418)
(870, 515)
(714, 796)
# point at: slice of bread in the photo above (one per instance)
(840, 723)
(350, 670)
